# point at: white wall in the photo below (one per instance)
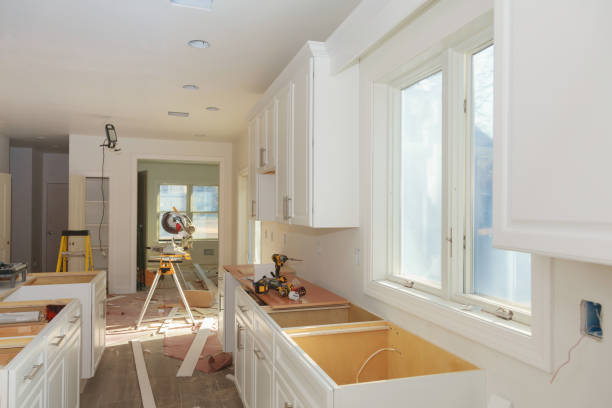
(38, 233)
(21, 204)
(179, 173)
(330, 259)
(4, 154)
(121, 168)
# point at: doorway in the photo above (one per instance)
(57, 221)
(193, 189)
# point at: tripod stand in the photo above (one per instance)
(166, 267)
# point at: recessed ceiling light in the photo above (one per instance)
(191, 87)
(198, 44)
(179, 114)
(199, 4)
(213, 108)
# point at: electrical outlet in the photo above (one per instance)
(357, 255)
(272, 236)
(590, 318)
(318, 247)
(266, 234)
(284, 239)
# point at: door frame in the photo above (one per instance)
(225, 195)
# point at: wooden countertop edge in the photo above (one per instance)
(10, 305)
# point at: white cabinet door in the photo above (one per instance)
(261, 141)
(552, 129)
(263, 377)
(253, 157)
(239, 351)
(249, 369)
(300, 189)
(284, 397)
(72, 373)
(34, 397)
(283, 159)
(56, 387)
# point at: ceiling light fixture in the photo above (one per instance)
(198, 44)
(179, 114)
(191, 87)
(213, 109)
(197, 4)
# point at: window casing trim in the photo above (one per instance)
(530, 344)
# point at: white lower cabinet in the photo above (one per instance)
(315, 366)
(45, 373)
(90, 289)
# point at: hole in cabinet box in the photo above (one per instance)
(591, 319)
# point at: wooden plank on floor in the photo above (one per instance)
(193, 354)
(146, 392)
(209, 284)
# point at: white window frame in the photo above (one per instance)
(528, 336)
(188, 211)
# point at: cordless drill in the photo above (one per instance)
(278, 282)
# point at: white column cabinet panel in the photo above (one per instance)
(552, 130)
(239, 350)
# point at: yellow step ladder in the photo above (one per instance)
(64, 254)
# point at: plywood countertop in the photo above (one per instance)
(315, 295)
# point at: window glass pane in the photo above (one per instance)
(205, 198)
(497, 273)
(172, 195)
(206, 225)
(421, 180)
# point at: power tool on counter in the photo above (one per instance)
(279, 282)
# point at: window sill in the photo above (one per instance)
(508, 337)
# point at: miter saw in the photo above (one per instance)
(180, 227)
(171, 255)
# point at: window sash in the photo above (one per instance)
(427, 69)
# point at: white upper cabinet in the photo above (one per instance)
(552, 130)
(316, 141)
(261, 194)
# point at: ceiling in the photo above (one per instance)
(69, 67)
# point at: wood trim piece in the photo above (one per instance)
(193, 354)
(146, 392)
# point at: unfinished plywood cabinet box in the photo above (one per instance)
(313, 357)
(90, 289)
(41, 366)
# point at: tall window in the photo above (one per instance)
(199, 203)
(442, 164)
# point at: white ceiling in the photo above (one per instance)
(71, 66)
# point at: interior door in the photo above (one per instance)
(5, 217)
(57, 220)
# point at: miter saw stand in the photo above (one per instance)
(169, 258)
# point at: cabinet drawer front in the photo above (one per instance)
(30, 370)
(305, 379)
(73, 321)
